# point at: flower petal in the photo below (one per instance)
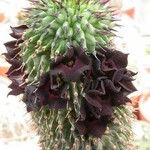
(10, 46)
(106, 108)
(110, 86)
(30, 99)
(72, 73)
(118, 75)
(94, 111)
(58, 103)
(96, 128)
(44, 79)
(96, 66)
(127, 85)
(120, 59)
(81, 127)
(18, 31)
(93, 99)
(119, 99)
(108, 65)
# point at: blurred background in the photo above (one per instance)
(16, 128)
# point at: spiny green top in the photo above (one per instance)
(54, 26)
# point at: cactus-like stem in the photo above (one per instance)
(118, 135)
(74, 82)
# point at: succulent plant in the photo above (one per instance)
(73, 81)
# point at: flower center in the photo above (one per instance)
(70, 63)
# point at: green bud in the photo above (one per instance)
(74, 19)
(90, 39)
(29, 33)
(54, 25)
(65, 27)
(58, 34)
(100, 40)
(61, 48)
(42, 37)
(84, 23)
(61, 17)
(70, 33)
(47, 20)
(34, 38)
(77, 28)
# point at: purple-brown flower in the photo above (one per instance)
(94, 118)
(16, 71)
(114, 60)
(72, 65)
(105, 83)
(43, 94)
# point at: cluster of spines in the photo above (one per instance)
(118, 135)
(59, 25)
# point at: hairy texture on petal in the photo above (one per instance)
(29, 98)
(108, 65)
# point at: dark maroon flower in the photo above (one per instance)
(114, 60)
(16, 86)
(16, 71)
(95, 86)
(97, 127)
(95, 114)
(103, 77)
(72, 65)
(38, 96)
(109, 86)
(12, 49)
(17, 32)
(119, 99)
(128, 86)
(100, 106)
(120, 59)
(92, 126)
(123, 78)
(122, 74)
(81, 127)
(93, 99)
(29, 98)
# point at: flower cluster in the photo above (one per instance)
(16, 71)
(105, 82)
(62, 59)
(106, 85)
